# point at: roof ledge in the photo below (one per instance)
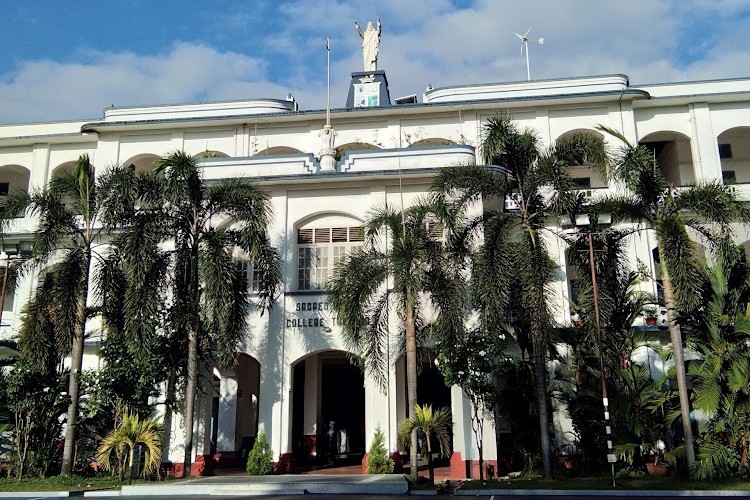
(526, 89)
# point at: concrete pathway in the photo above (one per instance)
(275, 485)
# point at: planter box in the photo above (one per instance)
(657, 469)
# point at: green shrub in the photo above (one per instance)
(260, 458)
(378, 461)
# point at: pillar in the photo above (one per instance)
(704, 147)
(313, 387)
(465, 458)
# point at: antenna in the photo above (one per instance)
(525, 46)
(328, 82)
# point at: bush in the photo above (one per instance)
(260, 458)
(378, 461)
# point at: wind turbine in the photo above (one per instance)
(525, 45)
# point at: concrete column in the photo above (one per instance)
(313, 387)
(202, 431)
(226, 439)
(178, 141)
(377, 410)
(465, 458)
(704, 146)
(541, 124)
(107, 153)
(39, 166)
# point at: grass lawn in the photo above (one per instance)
(604, 483)
(58, 483)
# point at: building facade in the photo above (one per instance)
(293, 379)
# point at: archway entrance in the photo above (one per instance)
(328, 410)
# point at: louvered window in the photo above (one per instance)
(320, 250)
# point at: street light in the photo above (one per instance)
(584, 222)
(18, 251)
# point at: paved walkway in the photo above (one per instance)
(293, 484)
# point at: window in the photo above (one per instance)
(253, 276)
(320, 250)
(10, 289)
(729, 176)
(4, 188)
(725, 150)
(581, 182)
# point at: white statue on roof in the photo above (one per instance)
(370, 45)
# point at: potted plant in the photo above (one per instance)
(656, 465)
(649, 315)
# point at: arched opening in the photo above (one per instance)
(13, 177)
(278, 150)
(431, 390)
(64, 168)
(142, 163)
(210, 153)
(328, 410)
(734, 153)
(234, 411)
(433, 141)
(353, 146)
(673, 155)
(585, 178)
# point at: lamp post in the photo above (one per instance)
(12, 252)
(585, 221)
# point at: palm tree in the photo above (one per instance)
(652, 200)
(430, 423)
(511, 248)
(209, 292)
(719, 330)
(402, 257)
(68, 230)
(123, 442)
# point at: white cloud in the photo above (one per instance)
(423, 43)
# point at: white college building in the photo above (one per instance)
(293, 378)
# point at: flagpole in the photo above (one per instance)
(328, 84)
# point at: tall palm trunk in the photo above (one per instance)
(192, 368)
(540, 370)
(411, 377)
(168, 413)
(538, 345)
(76, 363)
(675, 335)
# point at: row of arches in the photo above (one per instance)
(327, 421)
(674, 154)
(672, 149)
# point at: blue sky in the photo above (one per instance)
(68, 60)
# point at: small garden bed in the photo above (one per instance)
(60, 483)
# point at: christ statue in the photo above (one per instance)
(370, 45)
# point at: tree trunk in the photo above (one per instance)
(192, 368)
(540, 369)
(130, 464)
(168, 401)
(675, 335)
(76, 362)
(429, 462)
(192, 375)
(411, 377)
